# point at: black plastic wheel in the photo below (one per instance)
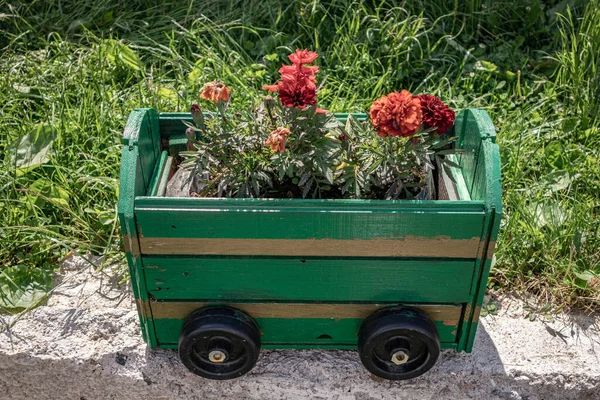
(398, 343)
(219, 343)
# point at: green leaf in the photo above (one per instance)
(78, 25)
(43, 190)
(307, 187)
(167, 94)
(303, 179)
(117, 52)
(450, 163)
(106, 217)
(107, 17)
(197, 72)
(31, 150)
(547, 214)
(329, 175)
(444, 142)
(582, 278)
(555, 154)
(485, 66)
(23, 287)
(557, 180)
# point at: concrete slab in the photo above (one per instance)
(85, 344)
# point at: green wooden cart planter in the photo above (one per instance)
(221, 278)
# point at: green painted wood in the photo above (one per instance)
(297, 331)
(157, 174)
(177, 143)
(472, 127)
(284, 219)
(171, 123)
(132, 184)
(338, 205)
(164, 178)
(487, 185)
(142, 131)
(314, 219)
(431, 281)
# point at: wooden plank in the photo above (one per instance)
(408, 246)
(159, 168)
(312, 327)
(164, 178)
(338, 205)
(297, 331)
(461, 186)
(281, 219)
(171, 123)
(488, 187)
(448, 313)
(472, 127)
(132, 185)
(282, 279)
(141, 131)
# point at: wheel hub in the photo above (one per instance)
(400, 357)
(217, 356)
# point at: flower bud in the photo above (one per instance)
(190, 133)
(269, 101)
(342, 137)
(197, 115)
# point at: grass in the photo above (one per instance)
(72, 71)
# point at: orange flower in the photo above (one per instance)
(276, 139)
(397, 114)
(215, 91)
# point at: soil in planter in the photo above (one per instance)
(180, 185)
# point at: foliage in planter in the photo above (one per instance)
(288, 147)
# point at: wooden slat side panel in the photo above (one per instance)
(247, 222)
(487, 186)
(298, 331)
(472, 127)
(320, 324)
(407, 246)
(421, 281)
(449, 313)
(171, 123)
(337, 205)
(159, 169)
(142, 131)
(131, 185)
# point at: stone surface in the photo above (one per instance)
(180, 184)
(85, 344)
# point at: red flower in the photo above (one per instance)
(298, 84)
(435, 113)
(303, 56)
(397, 114)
